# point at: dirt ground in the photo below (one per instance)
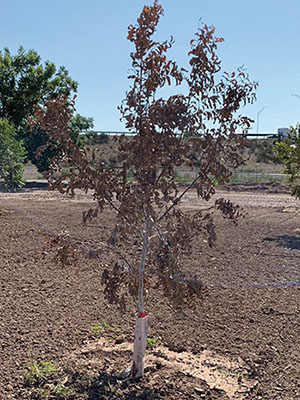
(60, 339)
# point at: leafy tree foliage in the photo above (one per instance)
(80, 125)
(149, 220)
(26, 82)
(38, 138)
(12, 154)
(288, 152)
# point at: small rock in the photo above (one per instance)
(199, 390)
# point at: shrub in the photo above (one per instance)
(289, 153)
(12, 154)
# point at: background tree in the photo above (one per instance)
(25, 82)
(12, 154)
(288, 151)
(149, 220)
(35, 139)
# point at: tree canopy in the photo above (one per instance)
(26, 82)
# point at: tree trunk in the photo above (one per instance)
(139, 347)
(141, 326)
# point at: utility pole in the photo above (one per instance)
(257, 120)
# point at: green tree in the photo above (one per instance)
(37, 138)
(12, 155)
(80, 125)
(24, 83)
(288, 152)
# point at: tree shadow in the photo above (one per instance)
(29, 186)
(108, 386)
(287, 241)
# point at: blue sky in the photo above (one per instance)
(89, 39)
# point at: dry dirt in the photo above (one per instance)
(241, 342)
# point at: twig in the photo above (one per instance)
(176, 201)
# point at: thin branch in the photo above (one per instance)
(176, 201)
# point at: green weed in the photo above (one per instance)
(152, 342)
(98, 329)
(61, 390)
(44, 380)
(39, 372)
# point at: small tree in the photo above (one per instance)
(165, 132)
(288, 152)
(12, 155)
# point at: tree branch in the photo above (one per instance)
(176, 201)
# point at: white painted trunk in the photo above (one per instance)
(139, 348)
(141, 325)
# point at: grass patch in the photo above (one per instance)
(257, 178)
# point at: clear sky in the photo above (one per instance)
(88, 37)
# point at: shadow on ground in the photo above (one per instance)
(107, 386)
(32, 185)
(287, 241)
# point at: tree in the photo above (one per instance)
(12, 155)
(165, 132)
(35, 139)
(26, 82)
(288, 152)
(80, 128)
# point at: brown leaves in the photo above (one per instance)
(195, 128)
(113, 282)
(65, 252)
(229, 210)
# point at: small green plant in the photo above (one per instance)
(98, 329)
(61, 390)
(39, 372)
(152, 342)
(43, 378)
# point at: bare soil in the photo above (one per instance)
(241, 341)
